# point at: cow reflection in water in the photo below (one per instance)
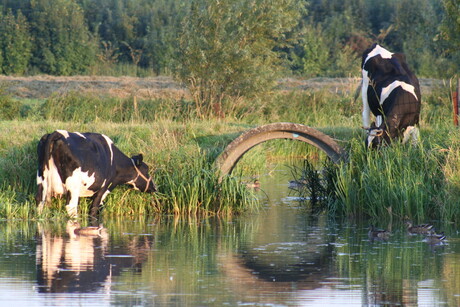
(78, 261)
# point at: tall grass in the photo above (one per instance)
(396, 181)
(180, 156)
(186, 189)
(319, 108)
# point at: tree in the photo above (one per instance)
(163, 24)
(312, 56)
(63, 44)
(416, 25)
(15, 43)
(450, 30)
(227, 47)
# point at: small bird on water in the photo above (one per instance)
(419, 229)
(378, 234)
(435, 238)
(253, 185)
(89, 231)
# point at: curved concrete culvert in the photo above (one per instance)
(238, 147)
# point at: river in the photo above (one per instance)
(280, 256)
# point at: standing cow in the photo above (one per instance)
(85, 165)
(392, 92)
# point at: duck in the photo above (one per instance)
(89, 231)
(378, 234)
(297, 184)
(253, 185)
(419, 229)
(435, 238)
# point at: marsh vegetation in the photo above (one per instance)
(420, 181)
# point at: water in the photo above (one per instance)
(281, 256)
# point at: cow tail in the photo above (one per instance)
(44, 152)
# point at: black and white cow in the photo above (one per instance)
(392, 93)
(85, 165)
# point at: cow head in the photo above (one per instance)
(142, 181)
(376, 136)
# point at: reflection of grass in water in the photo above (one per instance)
(186, 252)
(451, 279)
(314, 183)
(17, 249)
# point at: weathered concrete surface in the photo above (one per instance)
(238, 147)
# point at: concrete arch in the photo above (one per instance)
(239, 146)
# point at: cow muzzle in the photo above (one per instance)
(375, 132)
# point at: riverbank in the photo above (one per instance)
(181, 148)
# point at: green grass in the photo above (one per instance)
(183, 171)
(398, 181)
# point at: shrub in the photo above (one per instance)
(9, 108)
(228, 48)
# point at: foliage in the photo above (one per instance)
(184, 173)
(401, 181)
(450, 29)
(63, 44)
(100, 36)
(143, 32)
(80, 107)
(315, 187)
(417, 42)
(414, 181)
(228, 48)
(312, 56)
(15, 43)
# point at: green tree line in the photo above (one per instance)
(234, 38)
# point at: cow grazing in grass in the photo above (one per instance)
(392, 93)
(85, 165)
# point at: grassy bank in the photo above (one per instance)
(180, 159)
(419, 182)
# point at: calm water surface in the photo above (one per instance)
(280, 256)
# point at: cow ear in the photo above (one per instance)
(400, 56)
(137, 159)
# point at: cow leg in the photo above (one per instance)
(43, 196)
(411, 134)
(72, 204)
(39, 198)
(98, 198)
(366, 109)
(72, 184)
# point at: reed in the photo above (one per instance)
(180, 155)
(399, 180)
(421, 181)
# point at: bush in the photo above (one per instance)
(9, 108)
(228, 48)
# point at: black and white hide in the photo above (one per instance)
(392, 93)
(78, 165)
